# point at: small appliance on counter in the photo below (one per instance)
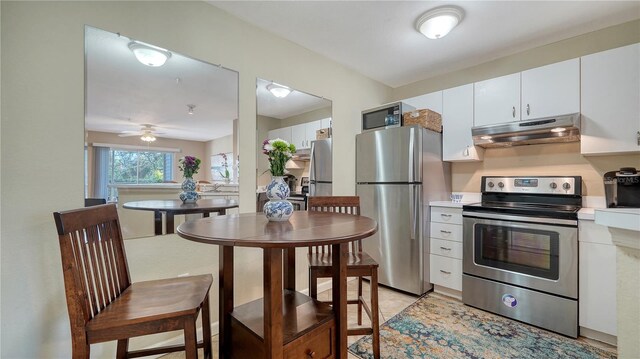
(622, 188)
(385, 116)
(290, 180)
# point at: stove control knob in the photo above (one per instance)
(500, 184)
(490, 184)
(553, 185)
(566, 186)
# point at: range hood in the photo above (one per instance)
(565, 128)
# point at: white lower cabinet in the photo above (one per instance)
(597, 282)
(445, 258)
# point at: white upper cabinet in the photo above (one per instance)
(299, 135)
(457, 120)
(431, 101)
(551, 90)
(281, 133)
(325, 122)
(610, 92)
(312, 127)
(497, 100)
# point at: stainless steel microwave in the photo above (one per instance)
(385, 116)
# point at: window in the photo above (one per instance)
(139, 167)
(129, 166)
(221, 164)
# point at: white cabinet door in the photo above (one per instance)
(457, 120)
(610, 90)
(281, 133)
(597, 278)
(551, 90)
(497, 100)
(299, 135)
(311, 128)
(431, 101)
(325, 122)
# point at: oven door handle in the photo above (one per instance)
(504, 217)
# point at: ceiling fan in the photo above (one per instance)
(147, 133)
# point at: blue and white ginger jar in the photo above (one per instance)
(278, 208)
(189, 194)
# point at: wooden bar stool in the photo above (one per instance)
(104, 305)
(359, 264)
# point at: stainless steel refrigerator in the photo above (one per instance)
(398, 171)
(320, 171)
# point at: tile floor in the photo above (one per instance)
(390, 303)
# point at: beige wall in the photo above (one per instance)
(557, 159)
(547, 160)
(310, 116)
(42, 137)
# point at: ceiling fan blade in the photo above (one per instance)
(129, 134)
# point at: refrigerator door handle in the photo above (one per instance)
(415, 212)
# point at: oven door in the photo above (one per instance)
(530, 252)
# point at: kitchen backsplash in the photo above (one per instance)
(554, 159)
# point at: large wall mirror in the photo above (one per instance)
(146, 108)
(304, 120)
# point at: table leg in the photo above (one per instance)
(225, 302)
(157, 223)
(170, 223)
(290, 269)
(273, 322)
(339, 253)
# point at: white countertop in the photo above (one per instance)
(447, 204)
(623, 218)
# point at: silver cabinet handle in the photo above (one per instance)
(445, 248)
(528, 110)
(445, 215)
(466, 152)
(513, 112)
(445, 232)
(444, 271)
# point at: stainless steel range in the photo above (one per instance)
(520, 250)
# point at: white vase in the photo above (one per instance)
(189, 194)
(278, 208)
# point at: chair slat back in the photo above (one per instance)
(94, 262)
(338, 204)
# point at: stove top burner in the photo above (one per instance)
(530, 206)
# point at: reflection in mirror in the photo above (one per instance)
(142, 116)
(305, 121)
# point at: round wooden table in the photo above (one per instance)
(284, 322)
(171, 207)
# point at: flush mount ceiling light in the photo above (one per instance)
(558, 129)
(148, 54)
(438, 22)
(278, 90)
(190, 109)
(148, 137)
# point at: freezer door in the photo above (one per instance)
(397, 246)
(390, 155)
(320, 165)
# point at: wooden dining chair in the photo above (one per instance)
(359, 264)
(102, 302)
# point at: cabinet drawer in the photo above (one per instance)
(446, 248)
(446, 215)
(446, 272)
(318, 345)
(451, 232)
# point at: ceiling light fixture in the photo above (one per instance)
(558, 129)
(190, 107)
(278, 90)
(148, 137)
(148, 54)
(437, 23)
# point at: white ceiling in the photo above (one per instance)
(379, 40)
(123, 94)
(294, 104)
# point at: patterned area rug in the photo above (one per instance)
(434, 327)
